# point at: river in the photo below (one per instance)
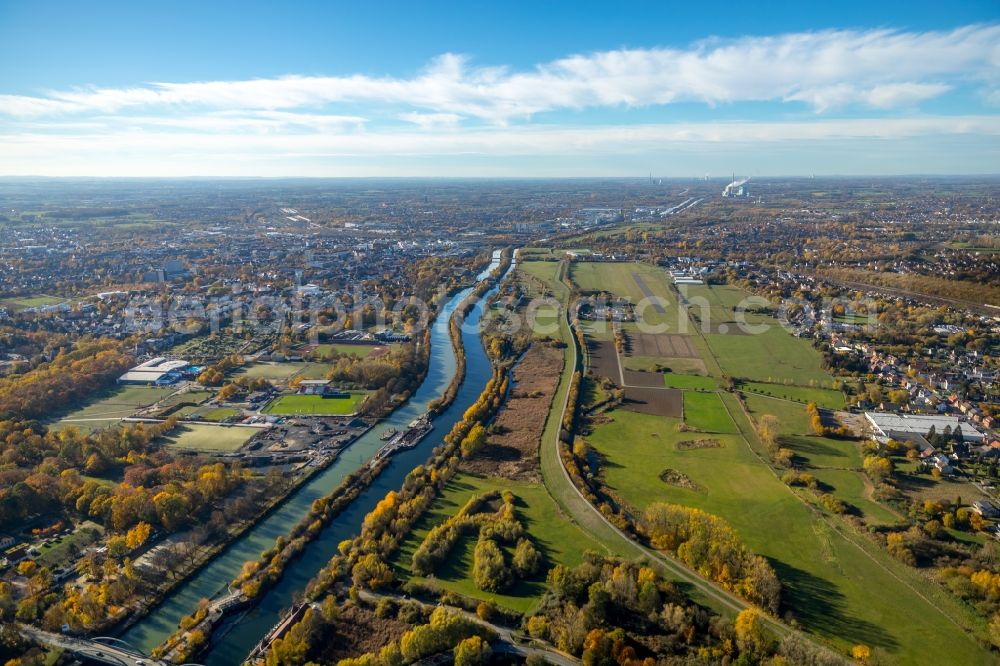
(242, 631)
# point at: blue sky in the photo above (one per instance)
(498, 89)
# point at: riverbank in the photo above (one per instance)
(455, 327)
(213, 580)
(258, 575)
(208, 553)
(246, 631)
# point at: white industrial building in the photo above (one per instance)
(158, 370)
(885, 424)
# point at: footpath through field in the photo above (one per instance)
(572, 501)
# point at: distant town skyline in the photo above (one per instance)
(526, 89)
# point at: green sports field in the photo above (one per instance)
(283, 372)
(288, 405)
(18, 304)
(112, 406)
(209, 438)
(194, 397)
(560, 541)
(206, 413)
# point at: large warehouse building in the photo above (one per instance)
(884, 425)
(154, 371)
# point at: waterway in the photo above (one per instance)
(241, 632)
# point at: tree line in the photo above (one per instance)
(362, 559)
(90, 367)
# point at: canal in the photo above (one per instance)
(242, 631)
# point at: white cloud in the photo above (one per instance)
(876, 68)
(512, 141)
(927, 144)
(429, 120)
(234, 121)
(886, 96)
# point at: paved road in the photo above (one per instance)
(114, 655)
(569, 497)
(584, 513)
(510, 641)
(655, 300)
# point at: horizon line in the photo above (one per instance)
(645, 177)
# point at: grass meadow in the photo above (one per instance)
(823, 397)
(832, 586)
(560, 541)
(772, 356)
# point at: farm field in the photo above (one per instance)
(560, 488)
(716, 305)
(315, 404)
(832, 587)
(706, 412)
(668, 349)
(690, 382)
(772, 356)
(654, 400)
(121, 402)
(684, 366)
(210, 438)
(823, 397)
(635, 282)
(560, 541)
(543, 319)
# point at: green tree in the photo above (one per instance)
(527, 560)
(472, 651)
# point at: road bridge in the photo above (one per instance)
(102, 649)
